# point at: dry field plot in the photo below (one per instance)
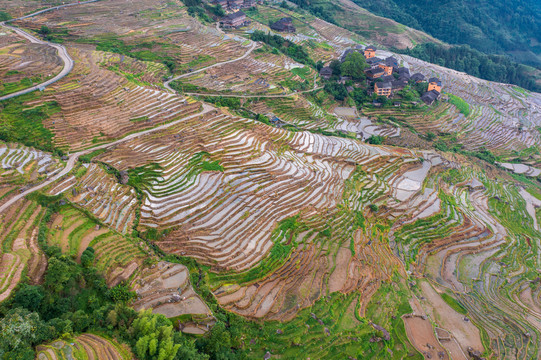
(163, 27)
(17, 8)
(260, 73)
(98, 104)
(166, 288)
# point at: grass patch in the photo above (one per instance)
(139, 119)
(461, 105)
(452, 302)
(25, 126)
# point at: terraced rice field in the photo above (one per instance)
(344, 249)
(117, 257)
(260, 176)
(98, 105)
(100, 193)
(85, 346)
(20, 164)
(257, 74)
(502, 117)
(20, 253)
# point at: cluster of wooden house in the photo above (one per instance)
(387, 76)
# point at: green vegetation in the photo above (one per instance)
(11, 87)
(452, 302)
(145, 51)
(25, 125)
(139, 119)
(375, 140)
(354, 66)
(462, 105)
(294, 51)
(88, 157)
(4, 16)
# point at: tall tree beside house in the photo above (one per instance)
(354, 66)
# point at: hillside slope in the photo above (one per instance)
(501, 27)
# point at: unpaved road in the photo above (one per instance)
(73, 157)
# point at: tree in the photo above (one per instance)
(18, 333)
(28, 297)
(87, 257)
(354, 66)
(375, 140)
(58, 274)
(121, 294)
(153, 336)
(44, 30)
(336, 67)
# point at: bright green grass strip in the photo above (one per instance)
(458, 307)
(461, 105)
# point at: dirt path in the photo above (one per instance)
(315, 88)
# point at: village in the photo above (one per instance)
(385, 77)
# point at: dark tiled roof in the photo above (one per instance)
(417, 77)
(435, 80)
(429, 96)
(370, 47)
(326, 71)
(399, 84)
(403, 70)
(385, 85)
(391, 61)
(374, 60)
(234, 16)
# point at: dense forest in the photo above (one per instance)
(491, 26)
(463, 58)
